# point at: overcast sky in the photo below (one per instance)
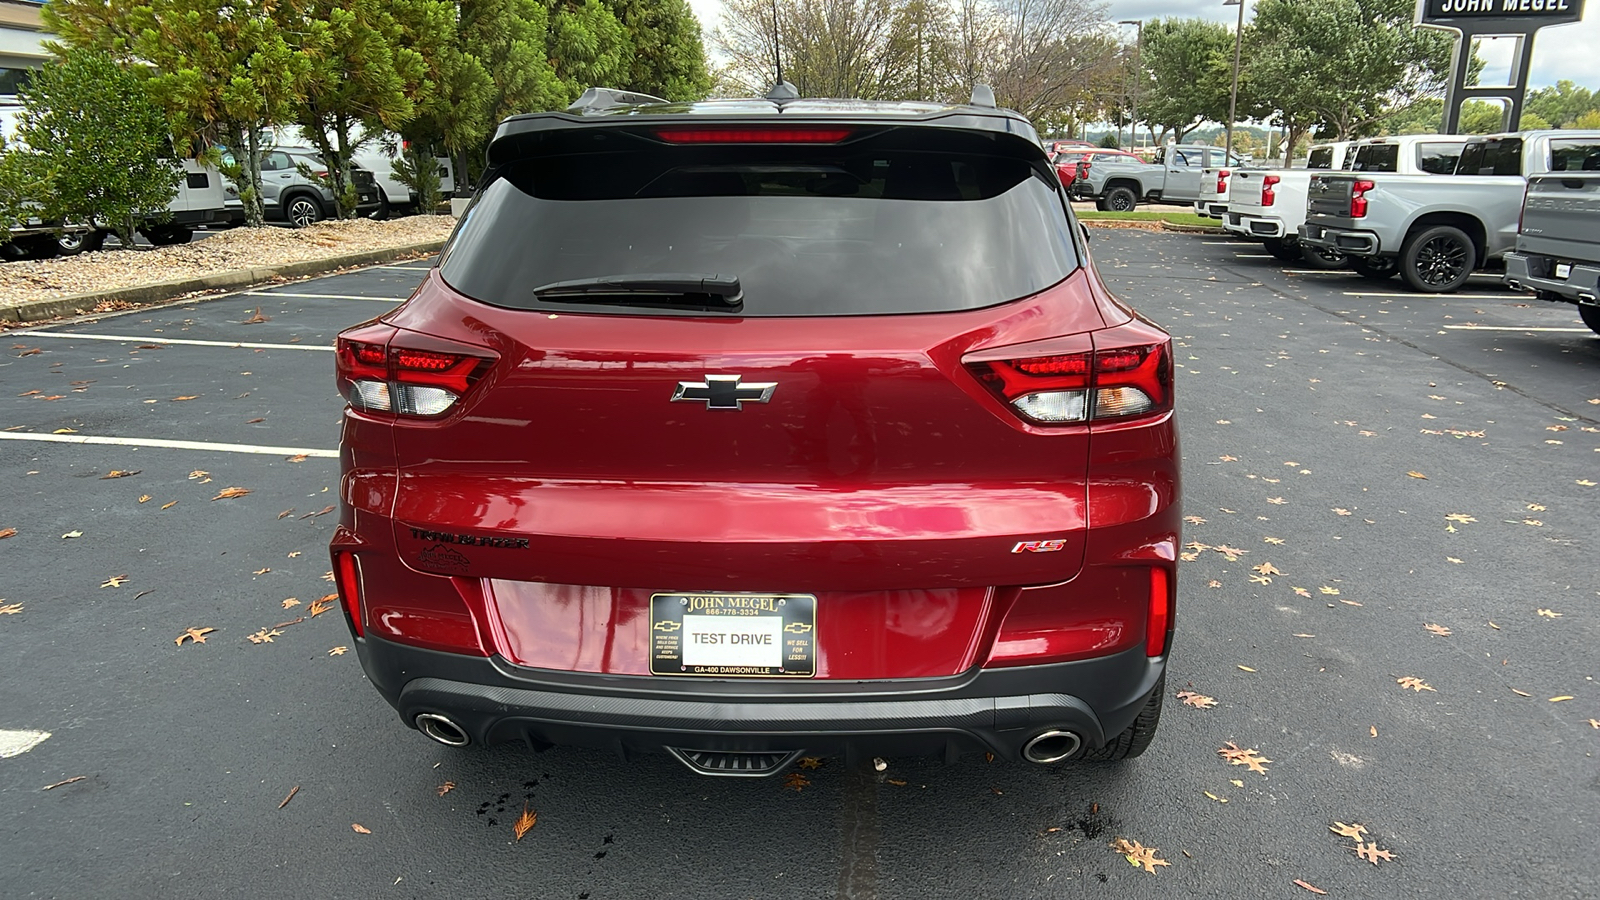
(1564, 51)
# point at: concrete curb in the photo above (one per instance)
(145, 294)
(1191, 229)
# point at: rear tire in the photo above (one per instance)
(1375, 268)
(1322, 258)
(72, 243)
(30, 246)
(1590, 315)
(1134, 739)
(1121, 199)
(1288, 251)
(168, 235)
(302, 210)
(1438, 260)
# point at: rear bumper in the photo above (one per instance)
(1357, 243)
(1211, 209)
(997, 710)
(1265, 227)
(1536, 272)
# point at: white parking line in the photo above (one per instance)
(1226, 243)
(16, 743)
(165, 340)
(322, 296)
(1252, 256)
(422, 268)
(1418, 296)
(1512, 328)
(1340, 272)
(168, 444)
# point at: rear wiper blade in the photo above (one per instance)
(669, 289)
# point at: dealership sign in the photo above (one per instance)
(1542, 12)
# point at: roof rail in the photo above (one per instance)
(982, 95)
(597, 99)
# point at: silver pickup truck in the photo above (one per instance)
(1120, 186)
(1558, 245)
(1440, 228)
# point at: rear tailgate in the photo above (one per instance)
(1329, 195)
(1561, 216)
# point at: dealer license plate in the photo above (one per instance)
(733, 635)
(1563, 270)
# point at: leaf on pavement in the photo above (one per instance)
(1549, 614)
(525, 822)
(10, 609)
(287, 512)
(199, 473)
(292, 791)
(1138, 855)
(193, 636)
(321, 512)
(1267, 568)
(1463, 518)
(796, 781)
(71, 534)
(1213, 583)
(120, 473)
(1594, 723)
(228, 493)
(1194, 520)
(1328, 591)
(445, 788)
(297, 458)
(1246, 669)
(360, 829)
(1349, 831)
(1414, 683)
(1276, 501)
(1232, 553)
(189, 397)
(1560, 698)
(1521, 693)
(254, 421)
(1440, 630)
(1241, 757)
(1197, 699)
(7, 532)
(256, 319)
(1371, 853)
(1273, 540)
(1418, 475)
(263, 636)
(261, 571)
(327, 576)
(290, 603)
(338, 651)
(318, 607)
(1339, 510)
(144, 498)
(810, 762)
(1260, 579)
(169, 505)
(1302, 592)
(115, 581)
(1310, 887)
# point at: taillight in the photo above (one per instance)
(1222, 181)
(1117, 380)
(1268, 195)
(348, 580)
(789, 135)
(1358, 198)
(384, 370)
(1158, 623)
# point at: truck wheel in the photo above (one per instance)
(1322, 258)
(1288, 251)
(168, 235)
(1375, 268)
(1438, 260)
(71, 243)
(1590, 315)
(1136, 737)
(1121, 199)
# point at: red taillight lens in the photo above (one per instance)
(407, 374)
(1222, 180)
(753, 135)
(1158, 623)
(1118, 380)
(1358, 198)
(349, 583)
(1268, 195)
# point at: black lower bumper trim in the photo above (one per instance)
(995, 710)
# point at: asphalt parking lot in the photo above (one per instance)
(1381, 485)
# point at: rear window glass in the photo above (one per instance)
(806, 231)
(1320, 158)
(1574, 156)
(1503, 157)
(1374, 158)
(1437, 158)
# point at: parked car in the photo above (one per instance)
(1271, 205)
(781, 427)
(1121, 185)
(377, 154)
(1438, 229)
(1558, 243)
(1074, 163)
(292, 191)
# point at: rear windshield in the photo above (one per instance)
(1575, 155)
(1438, 158)
(807, 231)
(1320, 158)
(1502, 157)
(1374, 158)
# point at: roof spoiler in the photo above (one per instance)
(599, 99)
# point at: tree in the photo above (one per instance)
(1188, 69)
(586, 45)
(830, 48)
(669, 59)
(1589, 120)
(1562, 103)
(107, 146)
(222, 69)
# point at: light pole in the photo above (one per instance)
(1233, 95)
(1138, 72)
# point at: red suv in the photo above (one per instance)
(748, 429)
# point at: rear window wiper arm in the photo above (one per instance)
(650, 289)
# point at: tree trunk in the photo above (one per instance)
(251, 196)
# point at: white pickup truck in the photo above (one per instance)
(1271, 204)
(1438, 229)
(1558, 243)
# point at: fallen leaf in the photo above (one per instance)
(1418, 475)
(1463, 518)
(1246, 669)
(1236, 782)
(65, 431)
(1329, 591)
(1374, 731)
(1594, 723)
(1273, 540)
(261, 571)
(1414, 683)
(293, 553)
(1440, 630)
(810, 762)
(1232, 553)
(1138, 855)
(796, 781)
(1226, 458)
(169, 505)
(318, 607)
(1196, 699)
(360, 829)
(1371, 853)
(338, 651)
(445, 788)
(1560, 698)
(1215, 797)
(10, 609)
(256, 319)
(1276, 501)
(1452, 559)
(292, 791)
(1310, 887)
(73, 780)
(1194, 520)
(290, 603)
(229, 493)
(120, 473)
(287, 512)
(1494, 626)
(1267, 568)
(321, 512)
(327, 576)
(263, 636)
(144, 498)
(1213, 583)
(1302, 592)
(1260, 579)
(525, 822)
(189, 397)
(1349, 831)
(1240, 757)
(253, 421)
(1341, 511)
(7, 532)
(1521, 693)
(298, 458)
(1549, 614)
(1349, 602)
(1302, 635)
(72, 534)
(193, 635)
(901, 782)
(115, 581)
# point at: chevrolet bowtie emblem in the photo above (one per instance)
(797, 628)
(667, 626)
(724, 391)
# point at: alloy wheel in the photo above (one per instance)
(303, 211)
(1441, 260)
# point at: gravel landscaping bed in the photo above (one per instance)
(238, 248)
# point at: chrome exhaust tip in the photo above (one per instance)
(442, 730)
(1051, 747)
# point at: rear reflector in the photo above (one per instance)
(1160, 617)
(753, 135)
(350, 590)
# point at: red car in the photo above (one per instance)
(749, 429)
(1072, 163)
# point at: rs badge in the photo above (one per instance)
(1038, 546)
